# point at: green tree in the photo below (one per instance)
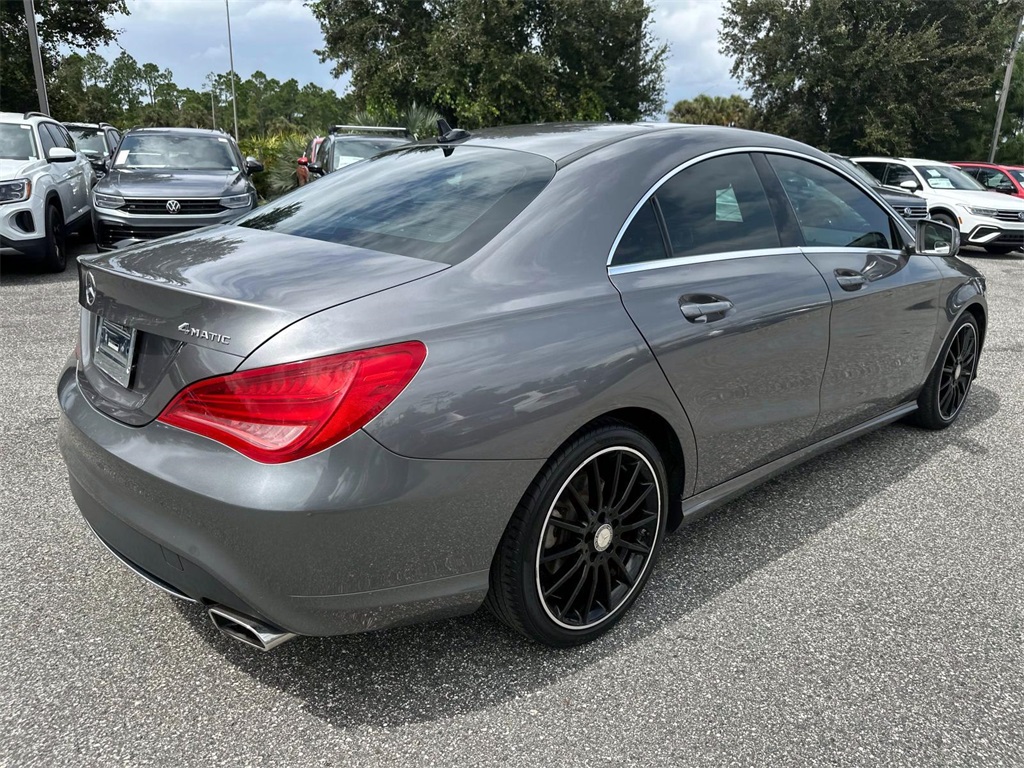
(69, 23)
(714, 110)
(888, 76)
(483, 62)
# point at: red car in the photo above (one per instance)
(1008, 179)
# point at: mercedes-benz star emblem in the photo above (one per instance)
(90, 289)
(173, 206)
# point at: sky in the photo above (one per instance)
(189, 37)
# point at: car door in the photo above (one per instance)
(68, 176)
(738, 322)
(885, 303)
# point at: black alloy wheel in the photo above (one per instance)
(945, 392)
(598, 538)
(581, 543)
(957, 371)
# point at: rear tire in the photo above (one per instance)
(999, 250)
(582, 542)
(55, 255)
(945, 392)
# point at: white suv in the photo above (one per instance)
(44, 187)
(984, 218)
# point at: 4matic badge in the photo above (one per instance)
(199, 333)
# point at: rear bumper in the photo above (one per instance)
(352, 539)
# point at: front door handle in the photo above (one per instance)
(850, 280)
(698, 312)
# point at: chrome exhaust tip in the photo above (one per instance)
(246, 629)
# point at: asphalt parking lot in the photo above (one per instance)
(864, 609)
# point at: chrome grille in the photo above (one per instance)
(156, 206)
(1017, 216)
(913, 212)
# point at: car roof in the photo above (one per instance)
(24, 117)
(182, 131)
(908, 160)
(97, 126)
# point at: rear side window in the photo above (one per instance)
(829, 209)
(432, 202)
(642, 240)
(717, 206)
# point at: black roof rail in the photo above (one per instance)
(27, 115)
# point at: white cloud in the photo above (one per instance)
(694, 65)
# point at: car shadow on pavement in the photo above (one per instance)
(436, 671)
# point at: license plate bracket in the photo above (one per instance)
(115, 351)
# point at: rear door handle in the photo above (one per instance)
(850, 280)
(698, 313)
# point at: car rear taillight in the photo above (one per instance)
(287, 412)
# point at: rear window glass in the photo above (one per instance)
(435, 203)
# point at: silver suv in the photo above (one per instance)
(164, 181)
(44, 187)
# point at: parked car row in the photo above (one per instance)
(56, 179)
(983, 218)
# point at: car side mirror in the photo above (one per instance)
(61, 155)
(910, 184)
(252, 165)
(933, 238)
(316, 168)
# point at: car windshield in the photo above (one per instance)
(89, 141)
(350, 150)
(16, 142)
(176, 153)
(947, 177)
(438, 203)
(857, 171)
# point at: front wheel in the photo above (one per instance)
(945, 392)
(581, 543)
(55, 255)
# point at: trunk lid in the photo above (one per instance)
(201, 302)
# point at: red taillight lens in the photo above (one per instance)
(287, 412)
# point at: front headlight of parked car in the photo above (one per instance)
(235, 201)
(15, 191)
(990, 212)
(107, 201)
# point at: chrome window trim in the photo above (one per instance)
(701, 258)
(725, 255)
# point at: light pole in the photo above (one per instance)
(231, 56)
(37, 58)
(1002, 94)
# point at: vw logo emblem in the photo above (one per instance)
(173, 206)
(906, 211)
(90, 289)
(1021, 215)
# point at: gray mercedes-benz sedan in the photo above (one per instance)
(496, 368)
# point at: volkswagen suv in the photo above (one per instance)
(44, 187)
(164, 181)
